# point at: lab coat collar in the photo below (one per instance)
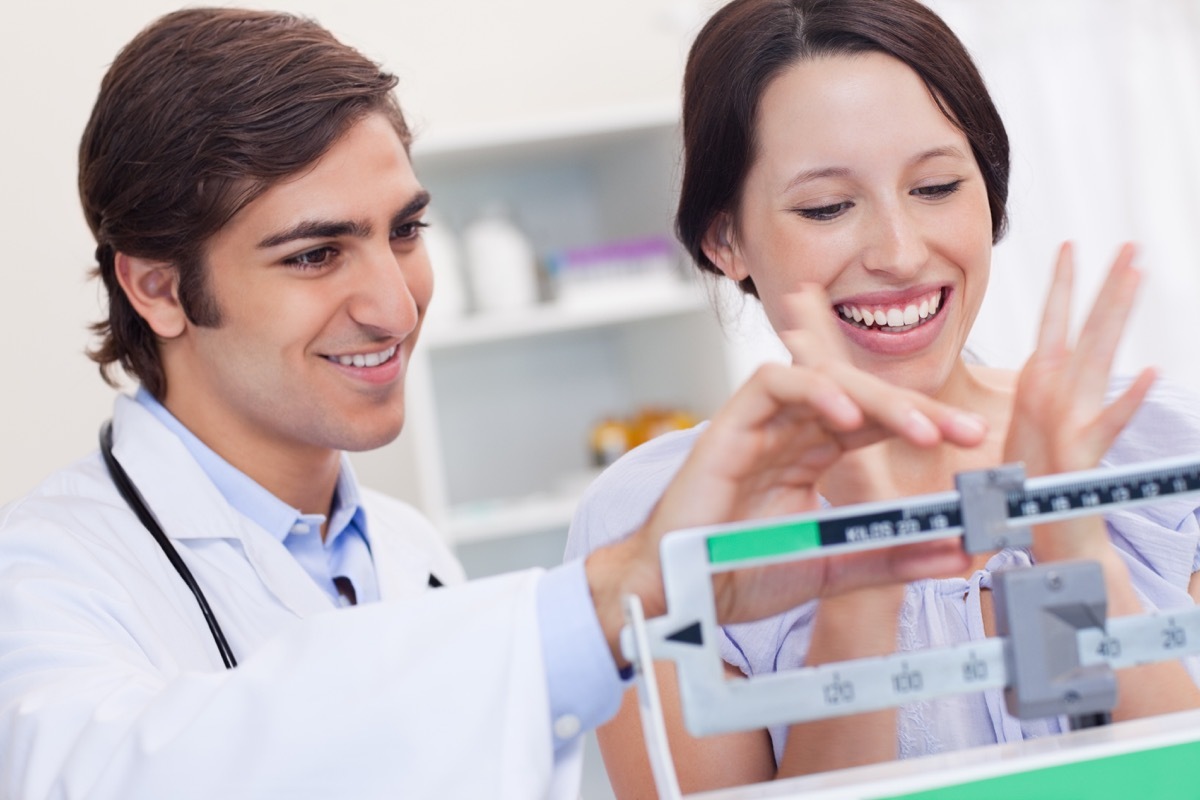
(190, 507)
(402, 564)
(187, 504)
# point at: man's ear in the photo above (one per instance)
(152, 288)
(720, 245)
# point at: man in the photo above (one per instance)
(258, 223)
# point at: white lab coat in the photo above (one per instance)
(111, 685)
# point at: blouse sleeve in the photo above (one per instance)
(1161, 541)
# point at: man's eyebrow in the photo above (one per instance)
(412, 208)
(332, 229)
(316, 229)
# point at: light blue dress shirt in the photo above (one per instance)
(346, 550)
(583, 684)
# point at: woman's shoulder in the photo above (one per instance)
(1166, 426)
(621, 498)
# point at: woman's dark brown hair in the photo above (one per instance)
(747, 43)
(202, 112)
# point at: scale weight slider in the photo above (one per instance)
(1040, 611)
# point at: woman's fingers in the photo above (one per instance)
(1056, 314)
(1060, 419)
(1101, 334)
(849, 401)
(911, 415)
(1118, 414)
(808, 328)
(811, 336)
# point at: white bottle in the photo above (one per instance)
(449, 301)
(501, 264)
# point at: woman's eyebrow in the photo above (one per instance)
(816, 174)
(949, 151)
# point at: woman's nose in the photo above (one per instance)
(896, 243)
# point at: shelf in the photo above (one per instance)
(502, 405)
(551, 318)
(511, 518)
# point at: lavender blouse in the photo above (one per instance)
(1160, 543)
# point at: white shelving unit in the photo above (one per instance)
(500, 406)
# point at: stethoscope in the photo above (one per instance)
(133, 497)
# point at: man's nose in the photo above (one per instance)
(382, 297)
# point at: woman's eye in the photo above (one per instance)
(409, 230)
(935, 192)
(310, 259)
(825, 212)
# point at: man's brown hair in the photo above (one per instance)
(198, 115)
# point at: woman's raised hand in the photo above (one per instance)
(1060, 422)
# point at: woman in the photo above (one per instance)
(844, 163)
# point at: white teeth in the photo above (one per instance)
(367, 359)
(896, 317)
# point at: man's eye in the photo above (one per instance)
(825, 212)
(311, 258)
(409, 230)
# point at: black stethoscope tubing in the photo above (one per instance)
(134, 499)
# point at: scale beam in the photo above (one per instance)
(1055, 653)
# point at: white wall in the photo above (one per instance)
(1102, 98)
(460, 64)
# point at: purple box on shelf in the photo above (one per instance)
(614, 271)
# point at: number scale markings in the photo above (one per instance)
(871, 684)
(936, 516)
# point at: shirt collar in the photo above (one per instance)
(249, 498)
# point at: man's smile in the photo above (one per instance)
(365, 359)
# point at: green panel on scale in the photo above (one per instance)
(1168, 772)
(771, 540)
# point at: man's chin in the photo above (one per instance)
(362, 439)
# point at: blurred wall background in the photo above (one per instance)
(1102, 98)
